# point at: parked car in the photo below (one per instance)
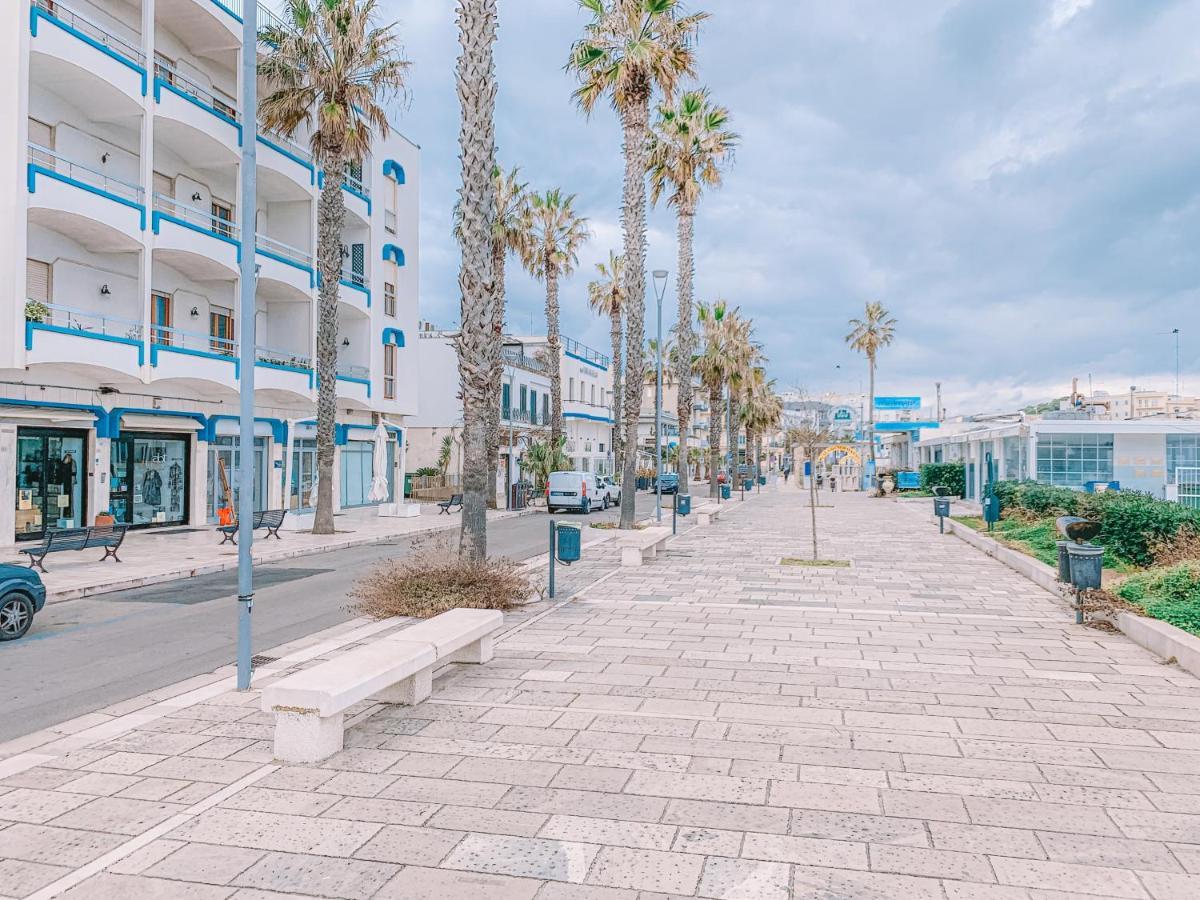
(575, 490)
(612, 489)
(22, 595)
(669, 482)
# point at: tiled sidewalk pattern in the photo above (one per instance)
(924, 724)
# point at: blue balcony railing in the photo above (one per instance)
(585, 353)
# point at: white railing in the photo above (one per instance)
(358, 279)
(60, 165)
(96, 32)
(354, 181)
(84, 320)
(571, 345)
(205, 220)
(164, 336)
(287, 251)
(222, 104)
(283, 358)
(287, 143)
(348, 370)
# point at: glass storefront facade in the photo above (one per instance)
(358, 468)
(1015, 466)
(304, 474)
(225, 457)
(51, 467)
(1183, 451)
(1072, 460)
(149, 479)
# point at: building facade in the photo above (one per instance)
(121, 235)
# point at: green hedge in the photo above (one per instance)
(1172, 595)
(948, 475)
(1131, 522)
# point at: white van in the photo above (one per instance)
(575, 490)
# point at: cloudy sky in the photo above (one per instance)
(1018, 181)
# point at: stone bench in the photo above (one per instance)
(708, 513)
(309, 704)
(639, 546)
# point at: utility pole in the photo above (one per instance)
(1176, 333)
(938, 411)
(248, 282)
(660, 287)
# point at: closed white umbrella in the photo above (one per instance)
(379, 481)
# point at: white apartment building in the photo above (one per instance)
(121, 235)
(1136, 403)
(524, 406)
(587, 403)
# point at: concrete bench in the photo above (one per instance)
(309, 705)
(708, 513)
(639, 546)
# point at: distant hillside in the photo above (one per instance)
(1048, 406)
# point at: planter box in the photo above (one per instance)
(399, 510)
(298, 521)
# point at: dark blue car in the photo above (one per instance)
(669, 482)
(22, 594)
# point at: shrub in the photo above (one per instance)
(1172, 595)
(952, 476)
(427, 472)
(435, 579)
(1182, 547)
(1132, 524)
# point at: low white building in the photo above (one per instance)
(121, 234)
(1152, 455)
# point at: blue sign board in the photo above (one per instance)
(897, 402)
(904, 426)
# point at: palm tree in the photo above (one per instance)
(555, 234)
(712, 364)
(687, 146)
(606, 296)
(629, 49)
(742, 355)
(332, 68)
(479, 341)
(868, 335)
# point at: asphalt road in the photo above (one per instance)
(83, 655)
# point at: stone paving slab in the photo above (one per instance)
(922, 724)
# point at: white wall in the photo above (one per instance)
(83, 141)
(78, 274)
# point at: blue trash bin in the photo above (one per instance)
(569, 539)
(762, 479)
(748, 484)
(683, 504)
(725, 492)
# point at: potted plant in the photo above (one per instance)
(36, 311)
(105, 518)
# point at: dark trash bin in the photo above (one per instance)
(569, 540)
(725, 492)
(1087, 562)
(683, 504)
(1064, 562)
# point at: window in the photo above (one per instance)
(37, 280)
(1072, 460)
(593, 395)
(545, 409)
(1015, 466)
(524, 399)
(505, 401)
(389, 221)
(164, 185)
(389, 371)
(220, 328)
(389, 299)
(160, 318)
(1183, 452)
(570, 388)
(222, 214)
(42, 135)
(533, 407)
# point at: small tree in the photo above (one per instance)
(810, 439)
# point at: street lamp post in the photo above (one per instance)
(660, 287)
(248, 281)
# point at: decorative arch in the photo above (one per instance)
(843, 448)
(393, 336)
(393, 170)
(392, 253)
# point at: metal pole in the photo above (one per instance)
(674, 511)
(512, 450)
(658, 423)
(248, 279)
(1177, 388)
(552, 554)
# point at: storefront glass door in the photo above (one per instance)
(304, 474)
(149, 479)
(50, 473)
(224, 456)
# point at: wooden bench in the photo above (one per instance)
(639, 546)
(708, 513)
(445, 505)
(309, 705)
(108, 537)
(270, 519)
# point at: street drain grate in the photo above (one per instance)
(816, 563)
(261, 660)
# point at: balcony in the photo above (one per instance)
(208, 27)
(354, 382)
(282, 371)
(353, 290)
(103, 213)
(200, 245)
(521, 360)
(288, 266)
(193, 356)
(584, 353)
(522, 418)
(286, 157)
(202, 124)
(64, 336)
(79, 58)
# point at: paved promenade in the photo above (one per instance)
(924, 723)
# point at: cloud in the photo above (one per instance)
(1016, 181)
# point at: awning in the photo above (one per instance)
(142, 422)
(58, 418)
(232, 428)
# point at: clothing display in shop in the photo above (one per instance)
(175, 484)
(152, 488)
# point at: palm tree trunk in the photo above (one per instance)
(635, 123)
(685, 337)
(493, 408)
(554, 352)
(478, 344)
(714, 437)
(871, 414)
(618, 444)
(331, 211)
(812, 498)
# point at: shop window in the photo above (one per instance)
(149, 479)
(49, 481)
(1072, 460)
